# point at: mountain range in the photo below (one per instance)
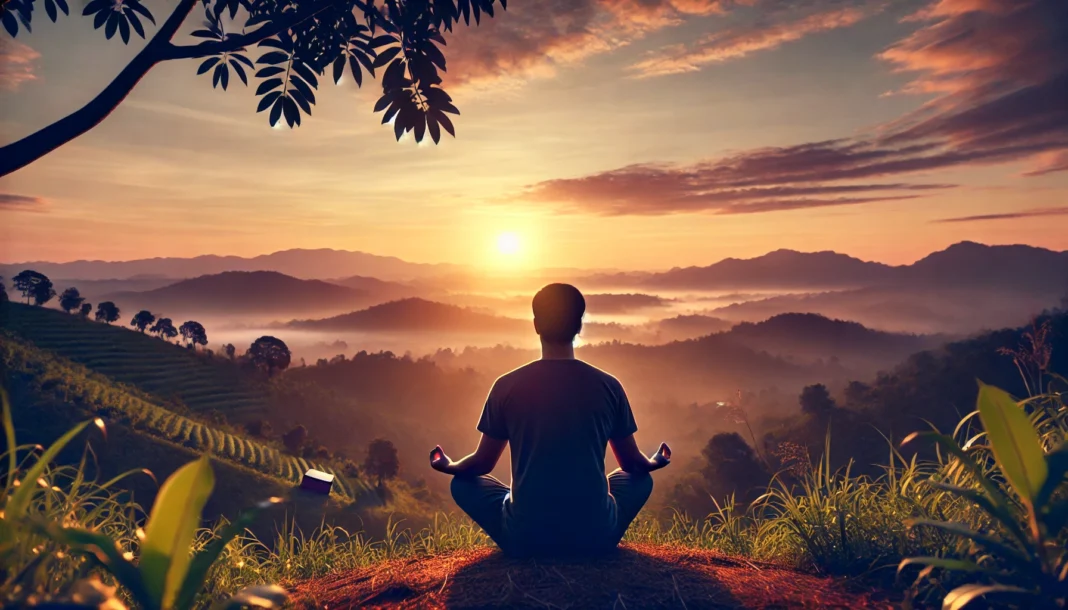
(965, 264)
(308, 264)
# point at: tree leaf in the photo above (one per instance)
(446, 123)
(135, 22)
(274, 57)
(386, 56)
(124, 28)
(305, 90)
(1014, 441)
(276, 110)
(354, 67)
(270, 71)
(305, 72)
(267, 100)
(171, 527)
(140, 8)
(208, 64)
(50, 9)
(435, 130)
(301, 101)
(239, 70)
(267, 85)
(112, 25)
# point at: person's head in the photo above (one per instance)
(558, 310)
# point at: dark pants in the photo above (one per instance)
(483, 499)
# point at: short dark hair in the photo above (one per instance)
(558, 310)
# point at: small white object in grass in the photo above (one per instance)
(320, 475)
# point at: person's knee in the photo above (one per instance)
(463, 490)
(643, 483)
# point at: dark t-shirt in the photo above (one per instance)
(558, 416)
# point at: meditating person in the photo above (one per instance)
(558, 415)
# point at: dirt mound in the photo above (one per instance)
(636, 576)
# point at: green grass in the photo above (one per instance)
(74, 384)
(166, 371)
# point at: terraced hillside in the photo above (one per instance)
(59, 380)
(166, 371)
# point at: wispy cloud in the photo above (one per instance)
(536, 37)
(737, 43)
(12, 202)
(16, 64)
(1057, 211)
(999, 72)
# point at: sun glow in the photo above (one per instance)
(508, 244)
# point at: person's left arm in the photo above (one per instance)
(481, 462)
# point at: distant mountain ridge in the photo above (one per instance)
(961, 265)
(415, 314)
(243, 292)
(321, 263)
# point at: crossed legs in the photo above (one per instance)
(483, 498)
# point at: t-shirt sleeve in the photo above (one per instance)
(492, 421)
(625, 424)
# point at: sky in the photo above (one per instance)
(611, 134)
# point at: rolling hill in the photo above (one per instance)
(815, 336)
(415, 315)
(236, 292)
(172, 374)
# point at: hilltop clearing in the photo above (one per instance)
(636, 576)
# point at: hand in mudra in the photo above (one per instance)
(662, 457)
(438, 460)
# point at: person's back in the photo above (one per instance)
(558, 417)
(558, 414)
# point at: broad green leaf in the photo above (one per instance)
(171, 527)
(1015, 442)
(966, 594)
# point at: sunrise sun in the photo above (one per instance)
(508, 243)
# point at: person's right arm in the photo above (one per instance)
(631, 459)
(481, 462)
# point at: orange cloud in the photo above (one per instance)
(534, 38)
(16, 64)
(733, 44)
(1002, 73)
